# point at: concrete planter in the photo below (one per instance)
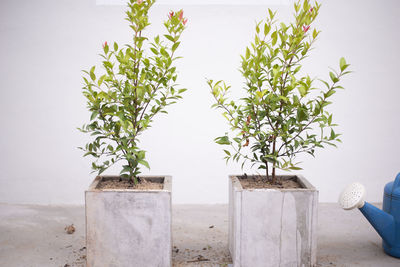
(272, 227)
(129, 227)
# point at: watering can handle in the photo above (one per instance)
(396, 181)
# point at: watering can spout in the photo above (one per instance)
(386, 221)
(383, 222)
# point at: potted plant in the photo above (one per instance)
(128, 217)
(273, 219)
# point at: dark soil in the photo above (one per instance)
(259, 182)
(117, 183)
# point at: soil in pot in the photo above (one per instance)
(120, 183)
(259, 182)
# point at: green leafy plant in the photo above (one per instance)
(284, 112)
(138, 82)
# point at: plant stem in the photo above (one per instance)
(273, 175)
(273, 164)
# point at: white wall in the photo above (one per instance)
(45, 44)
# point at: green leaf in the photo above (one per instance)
(227, 152)
(164, 52)
(237, 140)
(92, 75)
(169, 37)
(295, 168)
(274, 37)
(301, 115)
(326, 84)
(223, 140)
(115, 46)
(302, 90)
(100, 81)
(315, 33)
(141, 154)
(175, 46)
(94, 115)
(266, 29)
(125, 169)
(271, 14)
(108, 64)
(329, 93)
(144, 163)
(333, 135)
(343, 64)
(333, 77)
(154, 50)
(296, 7)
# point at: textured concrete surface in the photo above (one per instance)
(345, 238)
(34, 236)
(270, 227)
(200, 235)
(129, 228)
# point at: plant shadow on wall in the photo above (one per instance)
(138, 83)
(283, 113)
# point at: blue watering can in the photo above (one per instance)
(387, 221)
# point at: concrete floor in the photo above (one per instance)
(35, 236)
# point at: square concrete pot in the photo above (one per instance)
(127, 227)
(273, 227)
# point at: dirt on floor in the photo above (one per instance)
(119, 183)
(35, 236)
(200, 241)
(260, 182)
